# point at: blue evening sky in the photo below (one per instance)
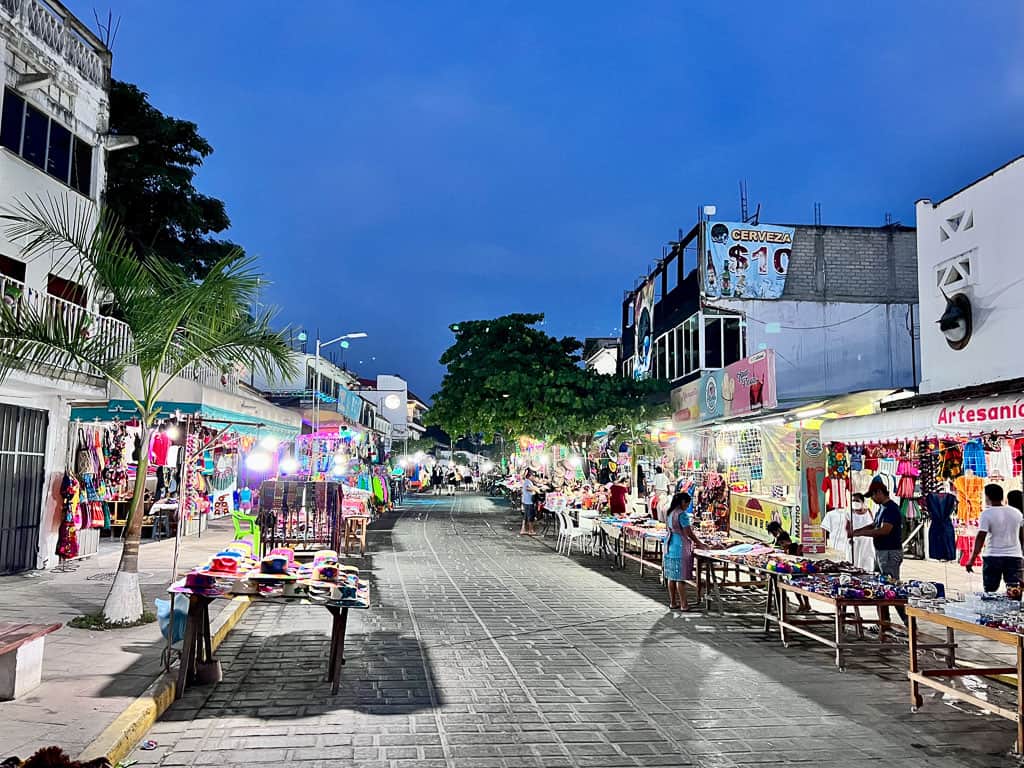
(402, 166)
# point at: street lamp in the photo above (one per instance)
(316, 387)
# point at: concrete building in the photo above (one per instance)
(393, 399)
(53, 118)
(602, 354)
(821, 310)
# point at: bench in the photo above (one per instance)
(21, 657)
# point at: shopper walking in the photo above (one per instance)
(437, 479)
(1002, 528)
(529, 510)
(677, 562)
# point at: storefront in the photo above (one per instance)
(936, 460)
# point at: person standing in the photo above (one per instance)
(886, 530)
(641, 482)
(863, 547)
(1002, 527)
(529, 490)
(437, 479)
(678, 559)
(618, 493)
(662, 499)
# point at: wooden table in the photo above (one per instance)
(709, 584)
(197, 645)
(931, 678)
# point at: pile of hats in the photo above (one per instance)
(326, 577)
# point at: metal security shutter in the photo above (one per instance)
(22, 459)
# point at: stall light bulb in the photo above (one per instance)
(420, 455)
(270, 442)
(684, 445)
(545, 460)
(289, 465)
(258, 461)
(727, 452)
(173, 432)
(577, 462)
(338, 469)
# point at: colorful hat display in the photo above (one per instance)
(325, 557)
(224, 565)
(242, 547)
(286, 552)
(200, 583)
(273, 567)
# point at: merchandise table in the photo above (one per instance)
(197, 646)
(709, 584)
(837, 619)
(619, 536)
(931, 677)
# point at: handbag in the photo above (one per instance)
(83, 457)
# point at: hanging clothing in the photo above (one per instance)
(969, 490)
(837, 491)
(834, 524)
(863, 546)
(974, 457)
(1000, 461)
(159, 447)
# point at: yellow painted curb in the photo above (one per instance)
(120, 737)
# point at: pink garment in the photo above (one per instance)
(159, 448)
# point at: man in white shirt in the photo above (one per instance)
(1002, 528)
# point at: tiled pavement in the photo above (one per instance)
(486, 649)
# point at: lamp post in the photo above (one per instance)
(316, 379)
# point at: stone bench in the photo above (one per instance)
(21, 657)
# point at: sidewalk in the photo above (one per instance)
(89, 677)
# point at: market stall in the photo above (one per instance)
(279, 577)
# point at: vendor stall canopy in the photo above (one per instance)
(242, 423)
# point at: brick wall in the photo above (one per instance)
(875, 265)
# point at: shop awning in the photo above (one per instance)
(960, 418)
(249, 417)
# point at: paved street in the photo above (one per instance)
(486, 649)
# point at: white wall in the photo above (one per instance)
(829, 349)
(988, 235)
(75, 102)
(605, 361)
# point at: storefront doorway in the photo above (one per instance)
(22, 459)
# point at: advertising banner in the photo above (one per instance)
(643, 322)
(745, 261)
(747, 386)
(351, 405)
(686, 405)
(750, 515)
(812, 456)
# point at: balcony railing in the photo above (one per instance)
(51, 24)
(115, 335)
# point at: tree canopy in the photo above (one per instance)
(150, 187)
(506, 376)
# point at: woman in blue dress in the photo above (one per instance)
(678, 559)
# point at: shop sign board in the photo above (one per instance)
(747, 386)
(745, 261)
(812, 457)
(750, 515)
(643, 323)
(353, 406)
(685, 401)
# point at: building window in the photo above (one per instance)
(45, 143)
(712, 342)
(659, 359)
(724, 341)
(12, 268)
(691, 345)
(671, 274)
(66, 289)
(627, 367)
(680, 352)
(670, 343)
(732, 340)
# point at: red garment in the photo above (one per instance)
(618, 499)
(158, 451)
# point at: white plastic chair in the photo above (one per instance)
(573, 533)
(564, 526)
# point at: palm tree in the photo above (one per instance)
(174, 323)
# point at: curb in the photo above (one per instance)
(120, 737)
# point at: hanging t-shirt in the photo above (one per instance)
(837, 491)
(1000, 461)
(863, 546)
(159, 448)
(834, 524)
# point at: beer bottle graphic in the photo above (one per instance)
(711, 276)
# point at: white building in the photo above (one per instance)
(394, 401)
(602, 355)
(53, 113)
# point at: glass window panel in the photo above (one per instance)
(670, 340)
(713, 342)
(58, 156)
(33, 146)
(680, 352)
(733, 340)
(81, 167)
(10, 123)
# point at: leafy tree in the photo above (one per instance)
(507, 377)
(150, 187)
(173, 324)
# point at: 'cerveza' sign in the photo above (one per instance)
(745, 261)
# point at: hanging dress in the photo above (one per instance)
(941, 536)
